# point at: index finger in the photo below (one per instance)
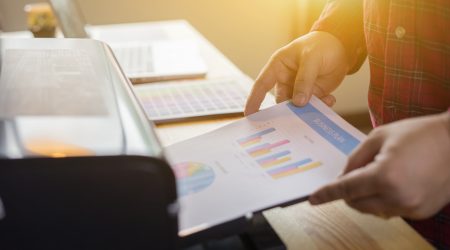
(354, 185)
(263, 84)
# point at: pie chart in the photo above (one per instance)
(193, 177)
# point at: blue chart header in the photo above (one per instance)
(326, 128)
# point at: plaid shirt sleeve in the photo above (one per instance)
(344, 20)
(408, 46)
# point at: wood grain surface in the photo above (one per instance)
(337, 226)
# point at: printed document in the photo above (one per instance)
(276, 156)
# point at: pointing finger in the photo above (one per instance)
(263, 84)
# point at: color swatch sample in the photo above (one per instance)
(274, 157)
(193, 177)
(193, 98)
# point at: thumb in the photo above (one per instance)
(306, 77)
(365, 152)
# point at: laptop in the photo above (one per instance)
(143, 57)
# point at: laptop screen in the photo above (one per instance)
(70, 18)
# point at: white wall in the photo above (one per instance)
(351, 96)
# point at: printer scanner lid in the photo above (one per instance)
(68, 97)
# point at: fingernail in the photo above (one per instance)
(300, 99)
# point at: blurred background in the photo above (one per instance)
(247, 32)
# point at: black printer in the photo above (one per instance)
(80, 165)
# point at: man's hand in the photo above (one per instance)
(315, 63)
(402, 169)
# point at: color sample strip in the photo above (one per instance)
(266, 149)
(274, 159)
(252, 137)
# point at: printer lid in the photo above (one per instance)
(68, 97)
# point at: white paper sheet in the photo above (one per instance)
(277, 155)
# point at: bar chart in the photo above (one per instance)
(274, 155)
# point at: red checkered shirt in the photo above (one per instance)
(408, 46)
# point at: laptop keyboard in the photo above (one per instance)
(134, 58)
(176, 100)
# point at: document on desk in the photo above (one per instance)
(276, 156)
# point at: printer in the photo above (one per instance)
(80, 165)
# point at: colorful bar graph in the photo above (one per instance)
(265, 148)
(276, 163)
(275, 159)
(254, 138)
(293, 168)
